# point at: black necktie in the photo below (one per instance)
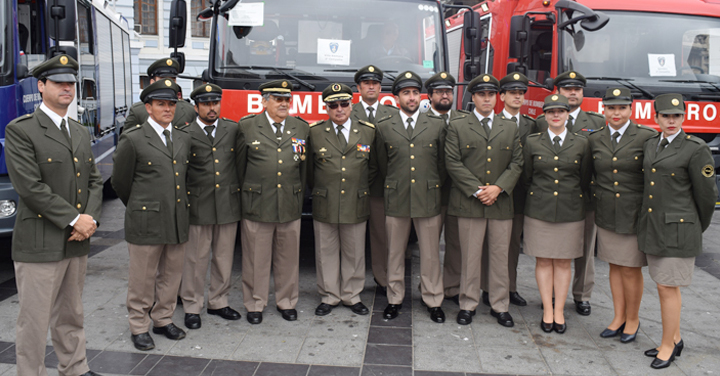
(410, 127)
(209, 130)
(485, 125)
(65, 133)
(615, 137)
(278, 132)
(341, 137)
(662, 145)
(444, 117)
(371, 116)
(168, 141)
(570, 123)
(556, 143)
(514, 120)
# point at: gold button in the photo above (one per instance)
(531, 193)
(489, 147)
(75, 159)
(49, 159)
(217, 173)
(343, 157)
(430, 145)
(178, 200)
(412, 168)
(412, 157)
(412, 145)
(216, 161)
(174, 162)
(343, 169)
(636, 158)
(387, 186)
(79, 190)
(556, 158)
(487, 183)
(79, 206)
(489, 159)
(214, 149)
(673, 174)
(653, 170)
(616, 183)
(194, 155)
(649, 210)
(614, 171)
(149, 163)
(412, 181)
(487, 172)
(279, 185)
(280, 161)
(189, 191)
(39, 216)
(614, 159)
(652, 183)
(177, 174)
(539, 158)
(555, 169)
(343, 180)
(144, 208)
(89, 159)
(437, 185)
(279, 150)
(581, 195)
(557, 181)
(682, 220)
(217, 185)
(617, 195)
(555, 193)
(177, 187)
(279, 173)
(78, 174)
(650, 197)
(342, 192)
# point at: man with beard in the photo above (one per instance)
(571, 84)
(214, 193)
(410, 155)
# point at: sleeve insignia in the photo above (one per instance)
(708, 171)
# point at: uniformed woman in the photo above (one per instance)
(617, 152)
(557, 175)
(678, 204)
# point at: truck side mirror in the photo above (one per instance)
(472, 38)
(180, 57)
(60, 20)
(518, 35)
(178, 24)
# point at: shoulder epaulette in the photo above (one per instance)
(535, 134)
(466, 112)
(250, 116)
(594, 114)
(383, 119)
(389, 105)
(596, 130)
(301, 119)
(367, 123)
(541, 116)
(24, 117)
(316, 123)
(432, 115)
(459, 116)
(182, 127)
(74, 121)
(526, 116)
(695, 139)
(132, 128)
(646, 128)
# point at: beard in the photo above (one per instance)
(442, 107)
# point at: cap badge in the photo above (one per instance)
(572, 75)
(168, 83)
(616, 92)
(208, 88)
(675, 102)
(408, 75)
(168, 62)
(371, 68)
(486, 78)
(63, 60)
(443, 75)
(284, 84)
(336, 87)
(555, 97)
(516, 76)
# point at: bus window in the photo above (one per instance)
(32, 46)
(86, 59)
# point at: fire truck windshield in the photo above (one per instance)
(330, 40)
(646, 48)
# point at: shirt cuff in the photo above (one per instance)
(72, 224)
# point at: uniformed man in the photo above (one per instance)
(339, 177)
(273, 163)
(512, 93)
(440, 92)
(149, 177)
(214, 193)
(411, 157)
(484, 159)
(369, 109)
(53, 171)
(162, 69)
(571, 85)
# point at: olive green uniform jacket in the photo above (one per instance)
(358, 113)
(618, 177)
(55, 183)
(681, 182)
(473, 159)
(447, 184)
(151, 184)
(274, 172)
(527, 127)
(556, 182)
(184, 114)
(340, 177)
(212, 179)
(414, 168)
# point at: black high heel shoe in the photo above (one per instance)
(653, 352)
(560, 328)
(608, 333)
(658, 363)
(546, 327)
(627, 338)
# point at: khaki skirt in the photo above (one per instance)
(562, 240)
(619, 249)
(671, 271)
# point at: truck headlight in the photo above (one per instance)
(7, 208)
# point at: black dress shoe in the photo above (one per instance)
(288, 314)
(170, 331)
(324, 309)
(464, 317)
(583, 307)
(653, 352)
(254, 317)
(517, 300)
(627, 338)
(546, 327)
(143, 341)
(503, 318)
(486, 298)
(560, 328)
(91, 373)
(454, 298)
(358, 308)
(226, 312)
(658, 363)
(437, 314)
(391, 311)
(192, 321)
(608, 333)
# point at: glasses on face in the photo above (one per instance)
(282, 99)
(443, 93)
(334, 105)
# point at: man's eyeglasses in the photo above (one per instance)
(443, 93)
(335, 105)
(281, 99)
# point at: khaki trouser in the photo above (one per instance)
(340, 261)
(584, 277)
(515, 244)
(50, 295)
(154, 277)
(266, 247)
(472, 238)
(452, 261)
(428, 232)
(208, 243)
(378, 240)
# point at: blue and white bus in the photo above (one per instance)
(99, 40)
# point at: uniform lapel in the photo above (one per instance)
(400, 128)
(198, 133)
(220, 132)
(497, 127)
(267, 129)
(154, 139)
(421, 126)
(331, 136)
(605, 138)
(524, 128)
(567, 143)
(51, 130)
(671, 149)
(288, 132)
(548, 143)
(626, 138)
(76, 138)
(354, 137)
(477, 127)
(177, 146)
(358, 112)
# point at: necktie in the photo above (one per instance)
(570, 123)
(278, 132)
(371, 116)
(514, 119)
(63, 129)
(662, 145)
(556, 143)
(485, 125)
(615, 139)
(410, 127)
(209, 130)
(168, 141)
(444, 117)
(341, 137)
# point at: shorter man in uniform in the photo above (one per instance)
(440, 92)
(53, 170)
(483, 177)
(162, 69)
(571, 85)
(149, 177)
(338, 174)
(214, 193)
(369, 109)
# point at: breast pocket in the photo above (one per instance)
(145, 215)
(251, 198)
(319, 203)
(680, 229)
(391, 195)
(363, 203)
